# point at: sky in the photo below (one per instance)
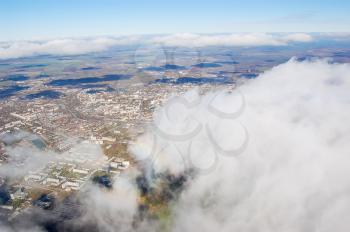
(28, 19)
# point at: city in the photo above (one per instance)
(174, 116)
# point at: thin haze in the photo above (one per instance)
(50, 19)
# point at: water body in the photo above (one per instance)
(194, 80)
(38, 143)
(345, 54)
(164, 67)
(15, 77)
(88, 80)
(65, 58)
(43, 75)
(207, 65)
(306, 57)
(90, 68)
(45, 202)
(226, 73)
(249, 75)
(11, 90)
(173, 67)
(48, 94)
(227, 62)
(32, 66)
(4, 194)
(104, 57)
(103, 181)
(92, 86)
(93, 91)
(154, 68)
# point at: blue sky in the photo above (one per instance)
(35, 19)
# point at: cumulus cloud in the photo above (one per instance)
(273, 157)
(24, 157)
(111, 210)
(247, 39)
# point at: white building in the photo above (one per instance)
(33, 177)
(80, 171)
(71, 185)
(51, 181)
(114, 165)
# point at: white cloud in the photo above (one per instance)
(252, 39)
(17, 49)
(293, 175)
(24, 157)
(111, 210)
(298, 37)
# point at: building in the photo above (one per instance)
(80, 171)
(33, 177)
(71, 185)
(51, 181)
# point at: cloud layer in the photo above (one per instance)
(261, 39)
(19, 49)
